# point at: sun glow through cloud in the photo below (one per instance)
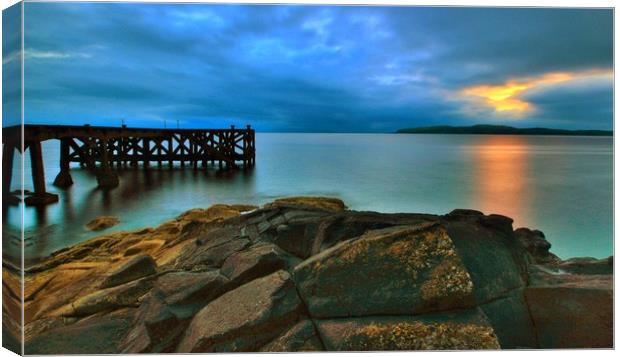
(505, 97)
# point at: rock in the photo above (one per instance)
(323, 203)
(589, 266)
(187, 288)
(465, 212)
(136, 268)
(253, 263)
(510, 318)
(100, 335)
(399, 270)
(297, 236)
(536, 245)
(494, 259)
(214, 213)
(494, 221)
(498, 222)
(465, 330)
(10, 342)
(245, 318)
(169, 308)
(369, 281)
(156, 327)
(145, 247)
(210, 255)
(126, 295)
(341, 227)
(575, 314)
(301, 337)
(217, 236)
(102, 222)
(304, 236)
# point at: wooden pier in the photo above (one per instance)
(106, 149)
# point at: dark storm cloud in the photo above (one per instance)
(481, 45)
(305, 68)
(577, 105)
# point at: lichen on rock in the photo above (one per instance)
(420, 336)
(324, 203)
(389, 271)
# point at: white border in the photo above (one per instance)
(482, 3)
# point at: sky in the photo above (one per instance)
(313, 68)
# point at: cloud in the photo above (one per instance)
(507, 97)
(310, 68)
(36, 54)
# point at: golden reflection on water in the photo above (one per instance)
(501, 176)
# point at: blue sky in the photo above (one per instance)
(315, 68)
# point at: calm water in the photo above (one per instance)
(560, 185)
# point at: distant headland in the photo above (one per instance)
(500, 130)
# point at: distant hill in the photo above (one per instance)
(500, 130)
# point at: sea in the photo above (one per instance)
(561, 185)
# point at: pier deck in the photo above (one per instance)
(104, 149)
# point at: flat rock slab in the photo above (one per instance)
(245, 318)
(125, 295)
(91, 336)
(260, 260)
(511, 321)
(135, 268)
(573, 315)
(324, 203)
(399, 270)
(486, 245)
(209, 255)
(587, 266)
(187, 288)
(301, 337)
(465, 330)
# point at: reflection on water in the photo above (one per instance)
(561, 185)
(502, 173)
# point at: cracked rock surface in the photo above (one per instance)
(306, 274)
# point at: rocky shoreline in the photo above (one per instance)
(303, 274)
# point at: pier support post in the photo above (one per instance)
(170, 153)
(106, 178)
(146, 153)
(40, 196)
(8, 153)
(182, 150)
(134, 152)
(119, 153)
(160, 143)
(63, 179)
(194, 151)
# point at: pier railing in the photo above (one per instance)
(104, 149)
